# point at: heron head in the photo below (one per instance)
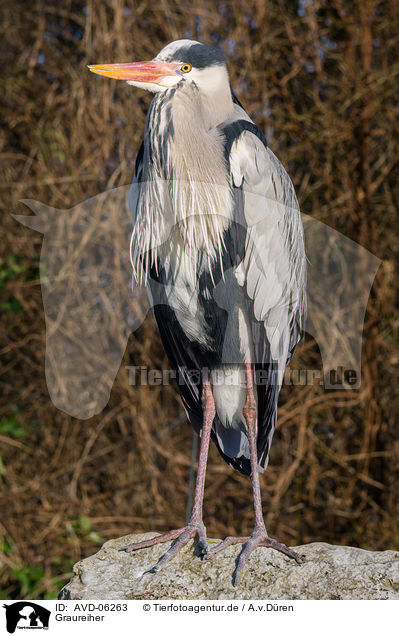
(179, 63)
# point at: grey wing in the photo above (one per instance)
(274, 265)
(273, 270)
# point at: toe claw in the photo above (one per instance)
(144, 579)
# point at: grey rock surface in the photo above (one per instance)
(329, 572)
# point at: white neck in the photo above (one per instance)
(214, 87)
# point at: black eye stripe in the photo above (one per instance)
(198, 55)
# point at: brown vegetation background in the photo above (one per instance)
(320, 77)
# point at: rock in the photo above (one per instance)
(329, 572)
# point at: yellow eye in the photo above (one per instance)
(186, 68)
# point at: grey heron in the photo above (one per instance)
(217, 239)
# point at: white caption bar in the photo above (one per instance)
(193, 617)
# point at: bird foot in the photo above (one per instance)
(259, 537)
(181, 536)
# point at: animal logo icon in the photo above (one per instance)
(25, 614)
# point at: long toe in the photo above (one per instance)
(226, 543)
(180, 538)
(261, 538)
(162, 538)
(252, 543)
(258, 538)
(189, 533)
(281, 547)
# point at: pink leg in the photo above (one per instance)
(259, 536)
(195, 528)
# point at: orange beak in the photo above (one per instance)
(152, 71)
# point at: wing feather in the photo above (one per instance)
(274, 262)
(274, 269)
